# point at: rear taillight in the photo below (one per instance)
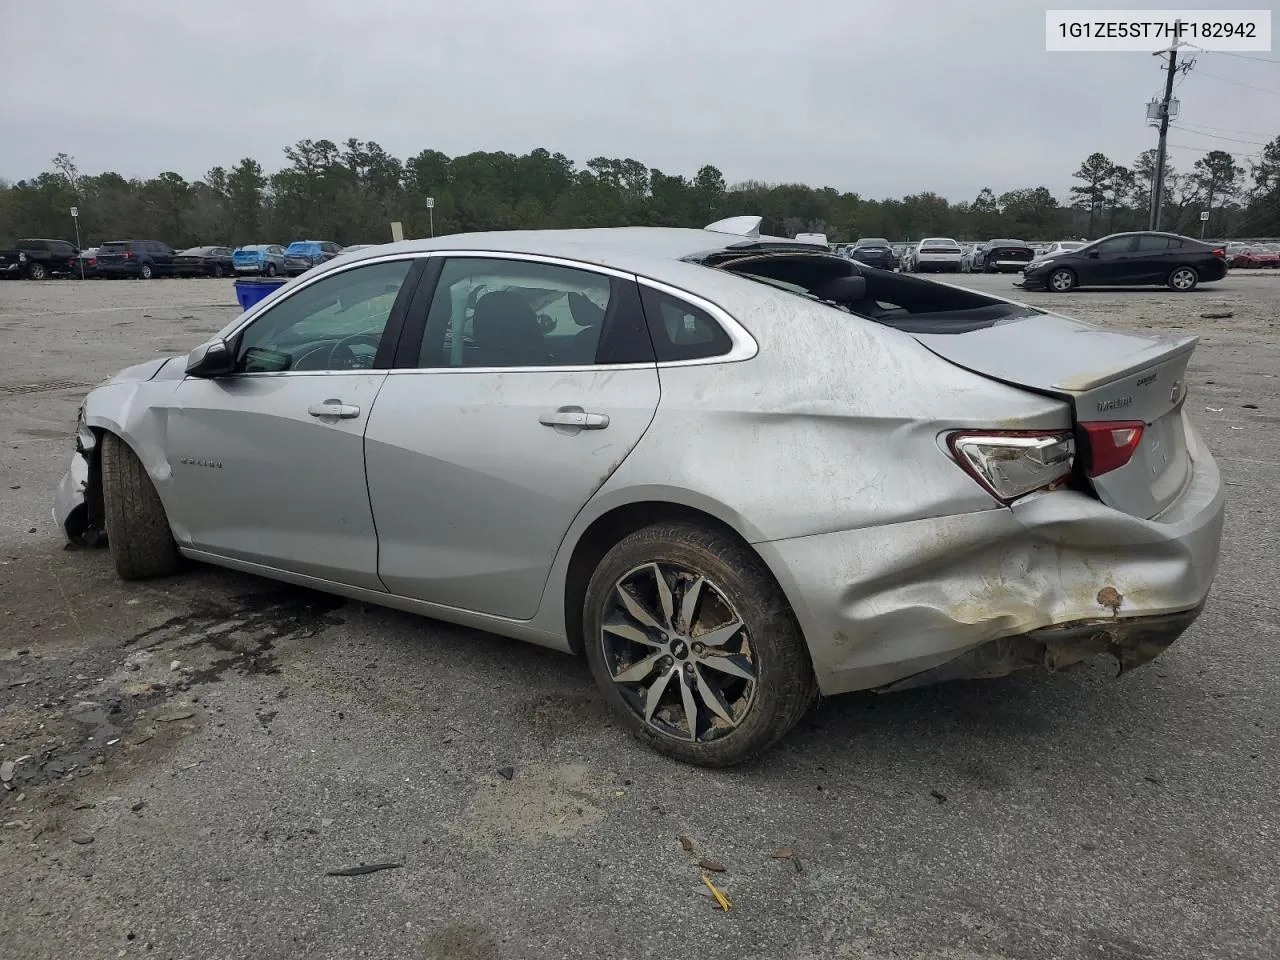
(1219, 252)
(128, 254)
(1111, 444)
(1011, 464)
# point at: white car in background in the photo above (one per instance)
(1059, 247)
(940, 254)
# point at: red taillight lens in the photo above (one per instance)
(128, 254)
(1219, 252)
(1111, 444)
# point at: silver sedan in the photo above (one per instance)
(734, 471)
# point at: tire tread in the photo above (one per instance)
(138, 533)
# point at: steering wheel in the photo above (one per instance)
(342, 357)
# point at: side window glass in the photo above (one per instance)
(1153, 244)
(1119, 245)
(679, 330)
(515, 313)
(333, 324)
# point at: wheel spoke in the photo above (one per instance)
(664, 596)
(713, 698)
(689, 604)
(633, 607)
(654, 696)
(629, 631)
(639, 670)
(720, 635)
(690, 707)
(734, 666)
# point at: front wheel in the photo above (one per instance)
(271, 269)
(217, 270)
(138, 531)
(1061, 281)
(144, 271)
(1183, 279)
(693, 643)
(37, 271)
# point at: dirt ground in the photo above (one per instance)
(186, 761)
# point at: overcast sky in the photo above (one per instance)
(884, 97)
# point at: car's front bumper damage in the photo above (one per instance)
(71, 498)
(1049, 582)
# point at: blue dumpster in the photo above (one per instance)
(253, 289)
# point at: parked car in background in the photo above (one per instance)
(36, 259)
(1000, 502)
(1255, 257)
(1060, 246)
(1146, 258)
(86, 264)
(1002, 256)
(967, 250)
(301, 255)
(936, 254)
(874, 252)
(262, 259)
(142, 259)
(203, 262)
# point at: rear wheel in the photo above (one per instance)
(138, 531)
(144, 271)
(217, 270)
(1183, 279)
(692, 642)
(37, 271)
(271, 269)
(1060, 281)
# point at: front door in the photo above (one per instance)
(532, 383)
(268, 462)
(1107, 262)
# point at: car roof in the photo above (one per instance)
(635, 249)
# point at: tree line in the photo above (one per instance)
(350, 193)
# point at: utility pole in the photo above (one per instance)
(1157, 188)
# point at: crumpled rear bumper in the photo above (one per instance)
(1066, 574)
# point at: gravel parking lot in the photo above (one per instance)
(201, 752)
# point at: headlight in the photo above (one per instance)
(1037, 264)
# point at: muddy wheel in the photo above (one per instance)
(692, 642)
(1183, 279)
(138, 531)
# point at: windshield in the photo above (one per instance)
(873, 242)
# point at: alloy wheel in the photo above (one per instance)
(1062, 281)
(1183, 279)
(679, 652)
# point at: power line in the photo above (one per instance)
(1205, 126)
(1242, 56)
(1204, 150)
(1237, 83)
(1214, 136)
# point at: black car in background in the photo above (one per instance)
(1129, 259)
(874, 252)
(1002, 256)
(35, 259)
(143, 259)
(203, 262)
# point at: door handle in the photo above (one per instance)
(575, 417)
(334, 408)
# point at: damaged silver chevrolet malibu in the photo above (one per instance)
(734, 471)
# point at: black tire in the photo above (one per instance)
(145, 272)
(37, 271)
(217, 270)
(1183, 279)
(138, 531)
(271, 269)
(784, 687)
(1061, 280)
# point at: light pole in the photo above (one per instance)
(75, 218)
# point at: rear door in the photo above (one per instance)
(1151, 259)
(522, 384)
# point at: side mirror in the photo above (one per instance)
(844, 289)
(214, 359)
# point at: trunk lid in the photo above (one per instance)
(1109, 376)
